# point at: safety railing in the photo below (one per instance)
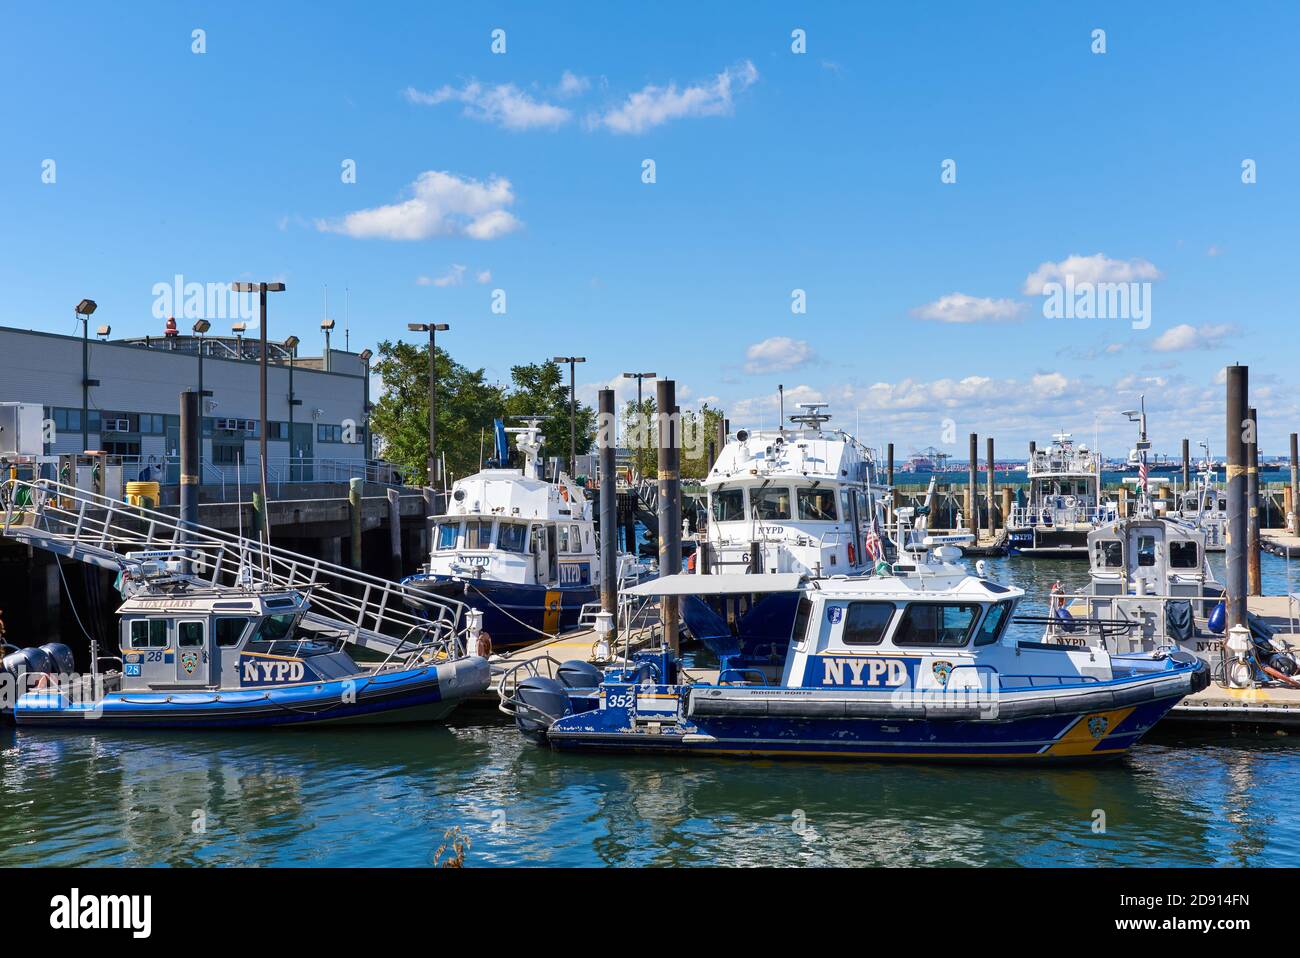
(370, 611)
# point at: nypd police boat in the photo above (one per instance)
(913, 663)
(518, 546)
(193, 656)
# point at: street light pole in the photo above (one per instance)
(431, 464)
(573, 411)
(261, 289)
(84, 310)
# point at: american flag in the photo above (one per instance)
(872, 544)
(1142, 473)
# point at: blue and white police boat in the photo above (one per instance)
(912, 662)
(519, 547)
(197, 657)
(1064, 502)
(802, 499)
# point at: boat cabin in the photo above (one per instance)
(799, 499)
(206, 640)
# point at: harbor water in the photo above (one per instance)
(387, 797)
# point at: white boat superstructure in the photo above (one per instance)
(802, 499)
(1064, 502)
(1205, 505)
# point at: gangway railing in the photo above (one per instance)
(369, 611)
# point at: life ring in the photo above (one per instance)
(690, 563)
(564, 493)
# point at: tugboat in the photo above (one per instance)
(801, 499)
(914, 662)
(197, 657)
(1064, 502)
(518, 546)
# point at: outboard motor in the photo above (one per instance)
(577, 674)
(61, 655)
(28, 660)
(539, 702)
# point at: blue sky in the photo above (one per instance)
(775, 171)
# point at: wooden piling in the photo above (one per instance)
(992, 522)
(1187, 465)
(1237, 387)
(354, 517)
(395, 533)
(973, 516)
(605, 443)
(1252, 507)
(669, 506)
(1295, 488)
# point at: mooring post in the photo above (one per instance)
(1006, 505)
(670, 505)
(1187, 466)
(354, 514)
(1252, 506)
(972, 486)
(605, 443)
(1292, 523)
(992, 523)
(430, 510)
(1238, 385)
(190, 479)
(889, 481)
(395, 532)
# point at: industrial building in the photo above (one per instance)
(121, 397)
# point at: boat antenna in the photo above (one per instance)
(780, 422)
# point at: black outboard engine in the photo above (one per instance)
(61, 655)
(28, 660)
(539, 702)
(576, 674)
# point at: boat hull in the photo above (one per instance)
(424, 694)
(1049, 543)
(514, 615)
(1036, 725)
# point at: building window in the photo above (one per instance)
(327, 433)
(227, 453)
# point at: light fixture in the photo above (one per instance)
(104, 331)
(327, 324)
(201, 326)
(365, 355)
(291, 343)
(239, 327)
(86, 307)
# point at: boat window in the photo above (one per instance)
(1182, 555)
(801, 616)
(932, 623)
(1223, 505)
(564, 538)
(229, 632)
(575, 539)
(1146, 550)
(818, 504)
(447, 535)
(771, 503)
(478, 533)
(994, 624)
(275, 628)
(1110, 554)
(149, 634)
(512, 536)
(865, 622)
(189, 635)
(729, 505)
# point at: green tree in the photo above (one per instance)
(542, 389)
(467, 404)
(696, 429)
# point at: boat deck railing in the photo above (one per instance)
(1049, 515)
(367, 610)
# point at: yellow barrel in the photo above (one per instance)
(144, 494)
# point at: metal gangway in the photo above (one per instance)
(358, 608)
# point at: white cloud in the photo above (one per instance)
(442, 204)
(1097, 268)
(960, 308)
(655, 105)
(453, 277)
(572, 85)
(1185, 336)
(505, 105)
(775, 354)
(483, 276)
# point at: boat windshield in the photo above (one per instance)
(771, 503)
(817, 504)
(513, 537)
(729, 505)
(276, 627)
(446, 535)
